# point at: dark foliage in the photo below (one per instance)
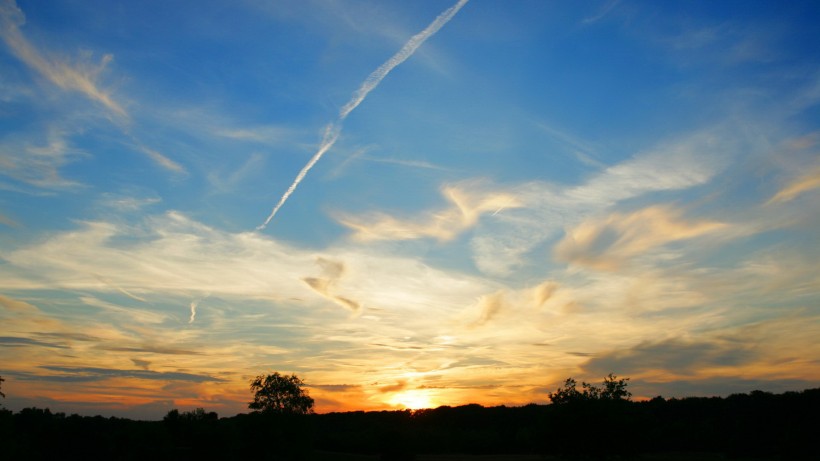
(758, 425)
(613, 389)
(277, 393)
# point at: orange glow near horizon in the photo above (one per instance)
(415, 399)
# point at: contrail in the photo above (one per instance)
(333, 130)
(194, 304)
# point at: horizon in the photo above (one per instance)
(405, 203)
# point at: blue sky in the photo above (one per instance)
(503, 195)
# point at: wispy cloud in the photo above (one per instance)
(194, 305)
(609, 242)
(39, 165)
(82, 77)
(677, 355)
(500, 245)
(803, 184)
(332, 272)
(333, 130)
(602, 12)
(6, 221)
(120, 289)
(489, 306)
(401, 162)
(162, 160)
(261, 134)
(128, 203)
(12, 341)
(467, 205)
(174, 254)
(83, 374)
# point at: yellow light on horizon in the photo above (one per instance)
(415, 399)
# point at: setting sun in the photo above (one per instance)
(413, 400)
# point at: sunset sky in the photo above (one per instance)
(474, 200)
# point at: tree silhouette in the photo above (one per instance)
(1, 386)
(276, 393)
(613, 389)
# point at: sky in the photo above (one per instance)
(406, 204)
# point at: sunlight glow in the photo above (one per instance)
(415, 399)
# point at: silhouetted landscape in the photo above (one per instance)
(758, 425)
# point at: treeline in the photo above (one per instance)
(756, 425)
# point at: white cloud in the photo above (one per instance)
(500, 245)
(82, 77)
(38, 165)
(174, 255)
(162, 160)
(467, 204)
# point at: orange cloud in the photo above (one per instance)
(799, 186)
(607, 243)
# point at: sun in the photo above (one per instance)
(415, 399)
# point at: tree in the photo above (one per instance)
(567, 393)
(276, 393)
(1, 386)
(613, 389)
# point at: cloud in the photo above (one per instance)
(399, 386)
(676, 355)
(139, 316)
(333, 130)
(144, 364)
(194, 305)
(151, 350)
(17, 305)
(13, 341)
(162, 160)
(607, 243)
(82, 77)
(803, 184)
(500, 245)
(466, 207)
(671, 166)
(85, 374)
(127, 203)
(6, 221)
(332, 272)
(408, 163)
(38, 165)
(171, 255)
(120, 289)
(269, 134)
(489, 306)
(604, 10)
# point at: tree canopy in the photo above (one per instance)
(276, 393)
(613, 389)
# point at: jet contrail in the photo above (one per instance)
(333, 130)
